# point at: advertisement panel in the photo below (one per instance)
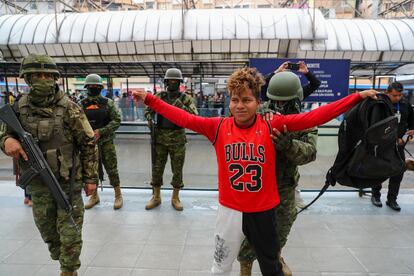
(333, 74)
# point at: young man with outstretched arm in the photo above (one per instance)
(246, 166)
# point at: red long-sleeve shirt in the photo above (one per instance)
(246, 156)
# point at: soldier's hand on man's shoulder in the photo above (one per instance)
(13, 148)
(268, 116)
(89, 188)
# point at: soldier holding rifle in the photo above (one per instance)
(58, 158)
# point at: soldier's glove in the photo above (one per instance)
(282, 140)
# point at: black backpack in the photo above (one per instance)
(367, 141)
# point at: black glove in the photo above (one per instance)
(283, 141)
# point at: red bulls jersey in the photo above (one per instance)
(246, 157)
(246, 166)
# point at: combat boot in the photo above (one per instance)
(285, 268)
(175, 200)
(69, 273)
(155, 199)
(93, 200)
(246, 268)
(118, 198)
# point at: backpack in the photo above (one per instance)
(368, 152)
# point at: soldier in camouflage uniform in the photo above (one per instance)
(170, 140)
(105, 120)
(66, 137)
(293, 149)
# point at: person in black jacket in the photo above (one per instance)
(404, 113)
(308, 89)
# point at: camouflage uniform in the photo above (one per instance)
(299, 151)
(65, 135)
(104, 119)
(170, 141)
(106, 141)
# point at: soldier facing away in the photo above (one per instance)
(170, 139)
(66, 138)
(292, 149)
(105, 120)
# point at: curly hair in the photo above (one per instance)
(245, 78)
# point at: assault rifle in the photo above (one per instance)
(37, 162)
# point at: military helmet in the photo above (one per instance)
(173, 74)
(284, 86)
(93, 79)
(38, 64)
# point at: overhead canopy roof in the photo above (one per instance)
(126, 69)
(159, 35)
(210, 42)
(383, 40)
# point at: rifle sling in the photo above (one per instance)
(72, 175)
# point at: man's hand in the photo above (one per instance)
(139, 95)
(282, 140)
(410, 133)
(97, 135)
(282, 67)
(303, 68)
(13, 148)
(369, 93)
(89, 188)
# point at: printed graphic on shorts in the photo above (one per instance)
(222, 251)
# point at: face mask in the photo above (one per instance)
(173, 86)
(42, 88)
(42, 92)
(94, 91)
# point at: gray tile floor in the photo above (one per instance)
(341, 235)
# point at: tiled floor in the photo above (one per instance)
(341, 235)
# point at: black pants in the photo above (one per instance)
(393, 184)
(260, 230)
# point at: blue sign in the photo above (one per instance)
(333, 74)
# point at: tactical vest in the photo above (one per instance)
(50, 134)
(162, 122)
(97, 112)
